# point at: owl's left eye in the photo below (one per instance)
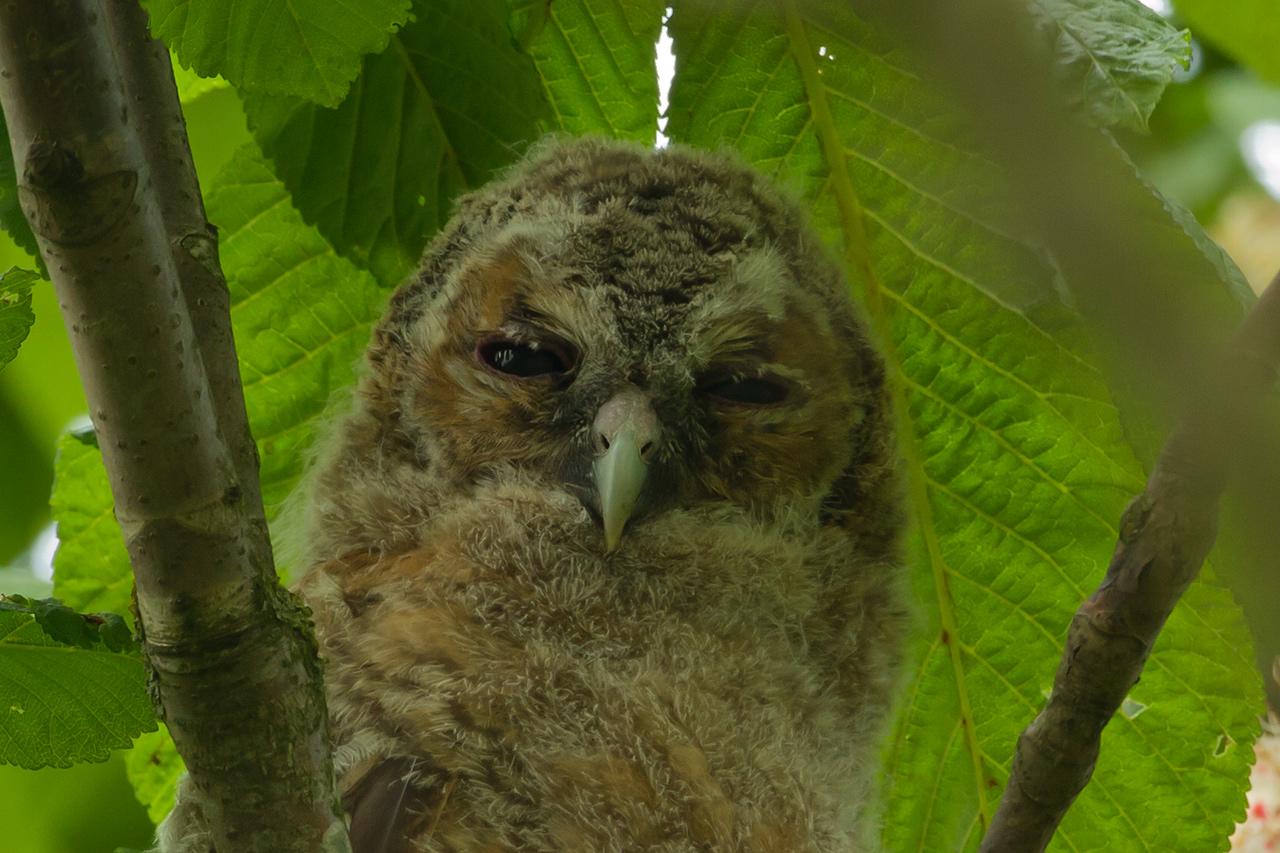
(525, 359)
(750, 391)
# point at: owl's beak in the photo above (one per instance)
(626, 431)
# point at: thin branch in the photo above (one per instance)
(107, 185)
(162, 133)
(1164, 537)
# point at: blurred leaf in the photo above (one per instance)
(1236, 99)
(154, 768)
(302, 317)
(1115, 56)
(41, 386)
(1019, 461)
(450, 101)
(1247, 30)
(596, 62)
(18, 580)
(15, 311)
(87, 808)
(191, 85)
(11, 217)
(217, 129)
(61, 705)
(23, 469)
(307, 48)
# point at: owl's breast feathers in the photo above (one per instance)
(715, 684)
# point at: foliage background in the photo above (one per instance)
(371, 236)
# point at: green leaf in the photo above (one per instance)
(301, 317)
(1246, 30)
(306, 48)
(154, 768)
(1018, 459)
(191, 85)
(115, 633)
(64, 625)
(595, 59)
(91, 566)
(1116, 57)
(12, 219)
(60, 705)
(450, 101)
(16, 315)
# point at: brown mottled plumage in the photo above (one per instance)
(500, 681)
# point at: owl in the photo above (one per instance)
(605, 555)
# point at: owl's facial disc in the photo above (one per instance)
(625, 432)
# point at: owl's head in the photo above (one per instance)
(644, 330)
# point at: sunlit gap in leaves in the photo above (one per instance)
(666, 68)
(1260, 145)
(42, 551)
(1160, 7)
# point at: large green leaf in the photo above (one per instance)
(450, 101)
(301, 317)
(16, 316)
(1018, 459)
(63, 704)
(456, 96)
(596, 62)
(1116, 57)
(306, 48)
(1247, 30)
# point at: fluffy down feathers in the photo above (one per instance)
(716, 687)
(497, 680)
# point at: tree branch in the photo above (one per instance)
(1164, 537)
(162, 132)
(108, 187)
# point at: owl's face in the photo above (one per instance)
(645, 330)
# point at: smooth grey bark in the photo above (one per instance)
(106, 181)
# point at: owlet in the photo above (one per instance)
(605, 557)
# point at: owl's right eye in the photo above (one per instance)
(525, 359)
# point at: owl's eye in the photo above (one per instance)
(524, 359)
(751, 391)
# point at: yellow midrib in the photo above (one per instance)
(858, 256)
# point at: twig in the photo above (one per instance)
(1164, 537)
(107, 185)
